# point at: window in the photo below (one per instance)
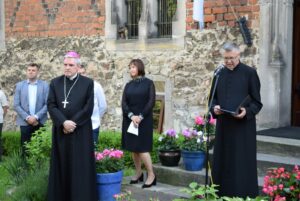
(151, 23)
(166, 11)
(133, 17)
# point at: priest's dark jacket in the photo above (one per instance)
(72, 174)
(234, 158)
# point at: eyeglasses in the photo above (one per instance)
(231, 58)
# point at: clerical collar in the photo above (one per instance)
(234, 68)
(73, 77)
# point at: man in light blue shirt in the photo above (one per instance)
(100, 106)
(30, 103)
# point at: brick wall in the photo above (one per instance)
(42, 18)
(219, 13)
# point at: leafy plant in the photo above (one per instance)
(30, 173)
(197, 192)
(38, 149)
(209, 193)
(168, 141)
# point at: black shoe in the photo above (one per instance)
(141, 178)
(149, 185)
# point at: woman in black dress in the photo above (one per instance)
(137, 104)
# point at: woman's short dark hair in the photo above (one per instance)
(140, 66)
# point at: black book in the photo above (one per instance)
(237, 110)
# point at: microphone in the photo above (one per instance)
(219, 69)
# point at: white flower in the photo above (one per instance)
(198, 140)
(204, 138)
(160, 138)
(199, 133)
(176, 136)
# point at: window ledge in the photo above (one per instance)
(153, 44)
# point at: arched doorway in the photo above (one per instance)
(296, 66)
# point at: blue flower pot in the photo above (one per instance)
(193, 160)
(108, 185)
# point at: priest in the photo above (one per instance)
(235, 103)
(70, 104)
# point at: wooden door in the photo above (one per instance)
(296, 66)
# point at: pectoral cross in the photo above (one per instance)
(65, 102)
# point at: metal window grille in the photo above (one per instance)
(133, 17)
(166, 11)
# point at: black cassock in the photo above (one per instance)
(234, 159)
(72, 168)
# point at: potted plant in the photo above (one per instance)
(193, 149)
(168, 148)
(194, 144)
(280, 184)
(109, 168)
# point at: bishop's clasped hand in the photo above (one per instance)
(69, 126)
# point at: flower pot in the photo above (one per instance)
(193, 160)
(108, 185)
(169, 158)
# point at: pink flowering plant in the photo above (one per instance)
(282, 185)
(168, 141)
(195, 139)
(109, 161)
(200, 125)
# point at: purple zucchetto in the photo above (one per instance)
(72, 54)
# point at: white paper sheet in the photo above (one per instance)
(132, 129)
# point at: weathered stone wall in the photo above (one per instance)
(189, 70)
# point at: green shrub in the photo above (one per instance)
(41, 145)
(11, 142)
(38, 150)
(30, 176)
